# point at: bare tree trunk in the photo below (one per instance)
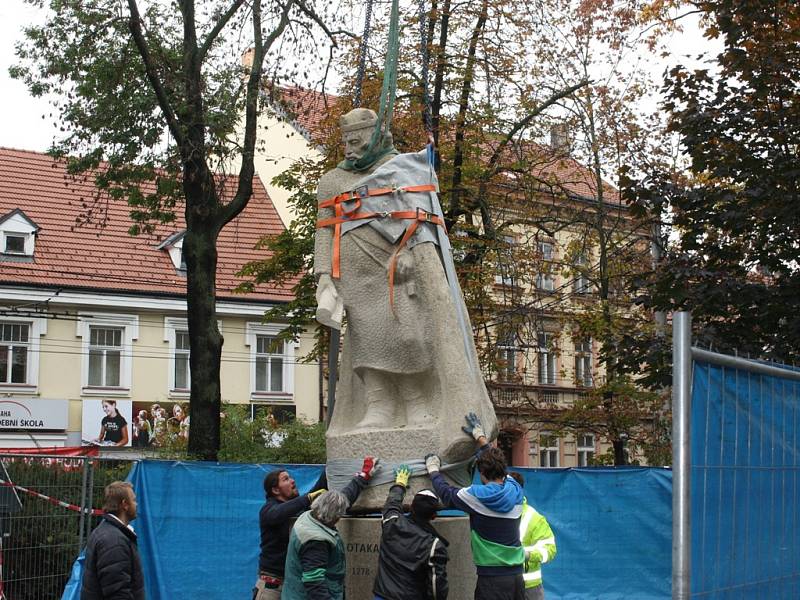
(455, 208)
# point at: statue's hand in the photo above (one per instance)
(326, 287)
(404, 267)
(329, 306)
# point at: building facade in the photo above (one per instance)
(93, 320)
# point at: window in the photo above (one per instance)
(507, 358)
(182, 360)
(176, 333)
(548, 450)
(546, 367)
(15, 244)
(107, 350)
(544, 279)
(105, 356)
(545, 282)
(271, 363)
(173, 244)
(581, 285)
(583, 361)
(505, 262)
(585, 449)
(14, 350)
(17, 234)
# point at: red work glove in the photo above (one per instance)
(369, 467)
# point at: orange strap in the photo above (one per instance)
(357, 194)
(353, 214)
(415, 216)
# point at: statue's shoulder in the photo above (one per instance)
(331, 177)
(333, 182)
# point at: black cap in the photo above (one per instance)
(425, 504)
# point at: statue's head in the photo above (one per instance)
(357, 127)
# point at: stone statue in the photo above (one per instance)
(408, 367)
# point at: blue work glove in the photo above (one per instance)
(474, 427)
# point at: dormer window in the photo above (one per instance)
(15, 243)
(17, 235)
(174, 247)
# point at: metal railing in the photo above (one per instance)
(48, 507)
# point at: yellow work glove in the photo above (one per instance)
(314, 495)
(401, 475)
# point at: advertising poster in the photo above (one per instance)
(155, 423)
(106, 423)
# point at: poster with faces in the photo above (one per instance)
(107, 423)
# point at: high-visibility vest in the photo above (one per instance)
(539, 543)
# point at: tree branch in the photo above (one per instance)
(245, 187)
(315, 17)
(212, 35)
(135, 26)
(490, 168)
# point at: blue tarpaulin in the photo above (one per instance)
(744, 485)
(198, 528)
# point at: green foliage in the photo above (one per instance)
(732, 259)
(262, 440)
(259, 440)
(291, 256)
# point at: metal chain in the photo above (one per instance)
(362, 54)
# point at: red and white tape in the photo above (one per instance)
(50, 499)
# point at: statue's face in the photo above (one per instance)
(356, 143)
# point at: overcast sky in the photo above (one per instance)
(22, 125)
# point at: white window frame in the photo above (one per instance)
(252, 331)
(130, 332)
(172, 326)
(545, 351)
(37, 329)
(584, 362)
(553, 451)
(505, 262)
(19, 226)
(545, 281)
(581, 285)
(547, 250)
(586, 449)
(507, 352)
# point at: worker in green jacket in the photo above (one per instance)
(538, 542)
(315, 559)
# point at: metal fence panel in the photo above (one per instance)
(745, 507)
(45, 517)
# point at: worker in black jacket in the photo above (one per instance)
(412, 563)
(112, 569)
(283, 504)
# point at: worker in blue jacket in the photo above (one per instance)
(495, 508)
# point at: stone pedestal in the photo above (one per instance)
(361, 536)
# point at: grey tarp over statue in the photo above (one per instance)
(405, 380)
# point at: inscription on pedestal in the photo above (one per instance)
(361, 536)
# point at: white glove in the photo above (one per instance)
(433, 463)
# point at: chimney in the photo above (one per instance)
(559, 139)
(247, 58)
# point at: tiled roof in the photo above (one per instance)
(95, 257)
(308, 111)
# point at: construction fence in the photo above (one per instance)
(48, 507)
(736, 461)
